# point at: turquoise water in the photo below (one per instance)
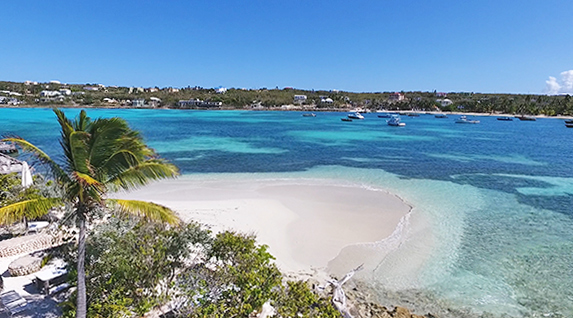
(497, 195)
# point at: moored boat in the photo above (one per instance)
(465, 120)
(384, 116)
(505, 118)
(355, 115)
(440, 116)
(526, 118)
(309, 115)
(395, 121)
(569, 125)
(345, 119)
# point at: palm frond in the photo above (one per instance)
(82, 122)
(65, 123)
(29, 209)
(79, 152)
(67, 128)
(143, 173)
(86, 180)
(147, 210)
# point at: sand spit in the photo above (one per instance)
(305, 223)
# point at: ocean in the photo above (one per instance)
(497, 196)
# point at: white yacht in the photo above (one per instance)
(355, 115)
(395, 121)
(464, 120)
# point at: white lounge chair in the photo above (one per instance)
(13, 302)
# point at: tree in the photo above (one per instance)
(100, 156)
(131, 266)
(236, 278)
(26, 203)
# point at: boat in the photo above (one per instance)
(413, 115)
(355, 115)
(569, 125)
(384, 116)
(526, 118)
(569, 121)
(309, 115)
(465, 120)
(505, 118)
(440, 116)
(345, 119)
(395, 121)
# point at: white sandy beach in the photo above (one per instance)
(305, 223)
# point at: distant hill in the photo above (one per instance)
(33, 94)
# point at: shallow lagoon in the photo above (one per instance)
(497, 195)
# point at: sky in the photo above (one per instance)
(360, 46)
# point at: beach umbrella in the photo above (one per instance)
(26, 175)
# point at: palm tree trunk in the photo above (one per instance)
(81, 309)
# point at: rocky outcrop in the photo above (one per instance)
(372, 310)
(363, 306)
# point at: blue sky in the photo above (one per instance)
(385, 45)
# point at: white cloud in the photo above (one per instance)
(562, 86)
(567, 78)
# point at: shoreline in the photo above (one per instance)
(286, 110)
(306, 223)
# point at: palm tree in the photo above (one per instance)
(100, 156)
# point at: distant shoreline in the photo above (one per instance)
(292, 110)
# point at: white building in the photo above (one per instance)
(396, 96)
(136, 90)
(154, 101)
(65, 91)
(110, 100)
(444, 102)
(220, 90)
(49, 93)
(299, 98)
(140, 102)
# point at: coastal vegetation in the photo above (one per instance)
(33, 198)
(100, 156)
(134, 267)
(92, 95)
